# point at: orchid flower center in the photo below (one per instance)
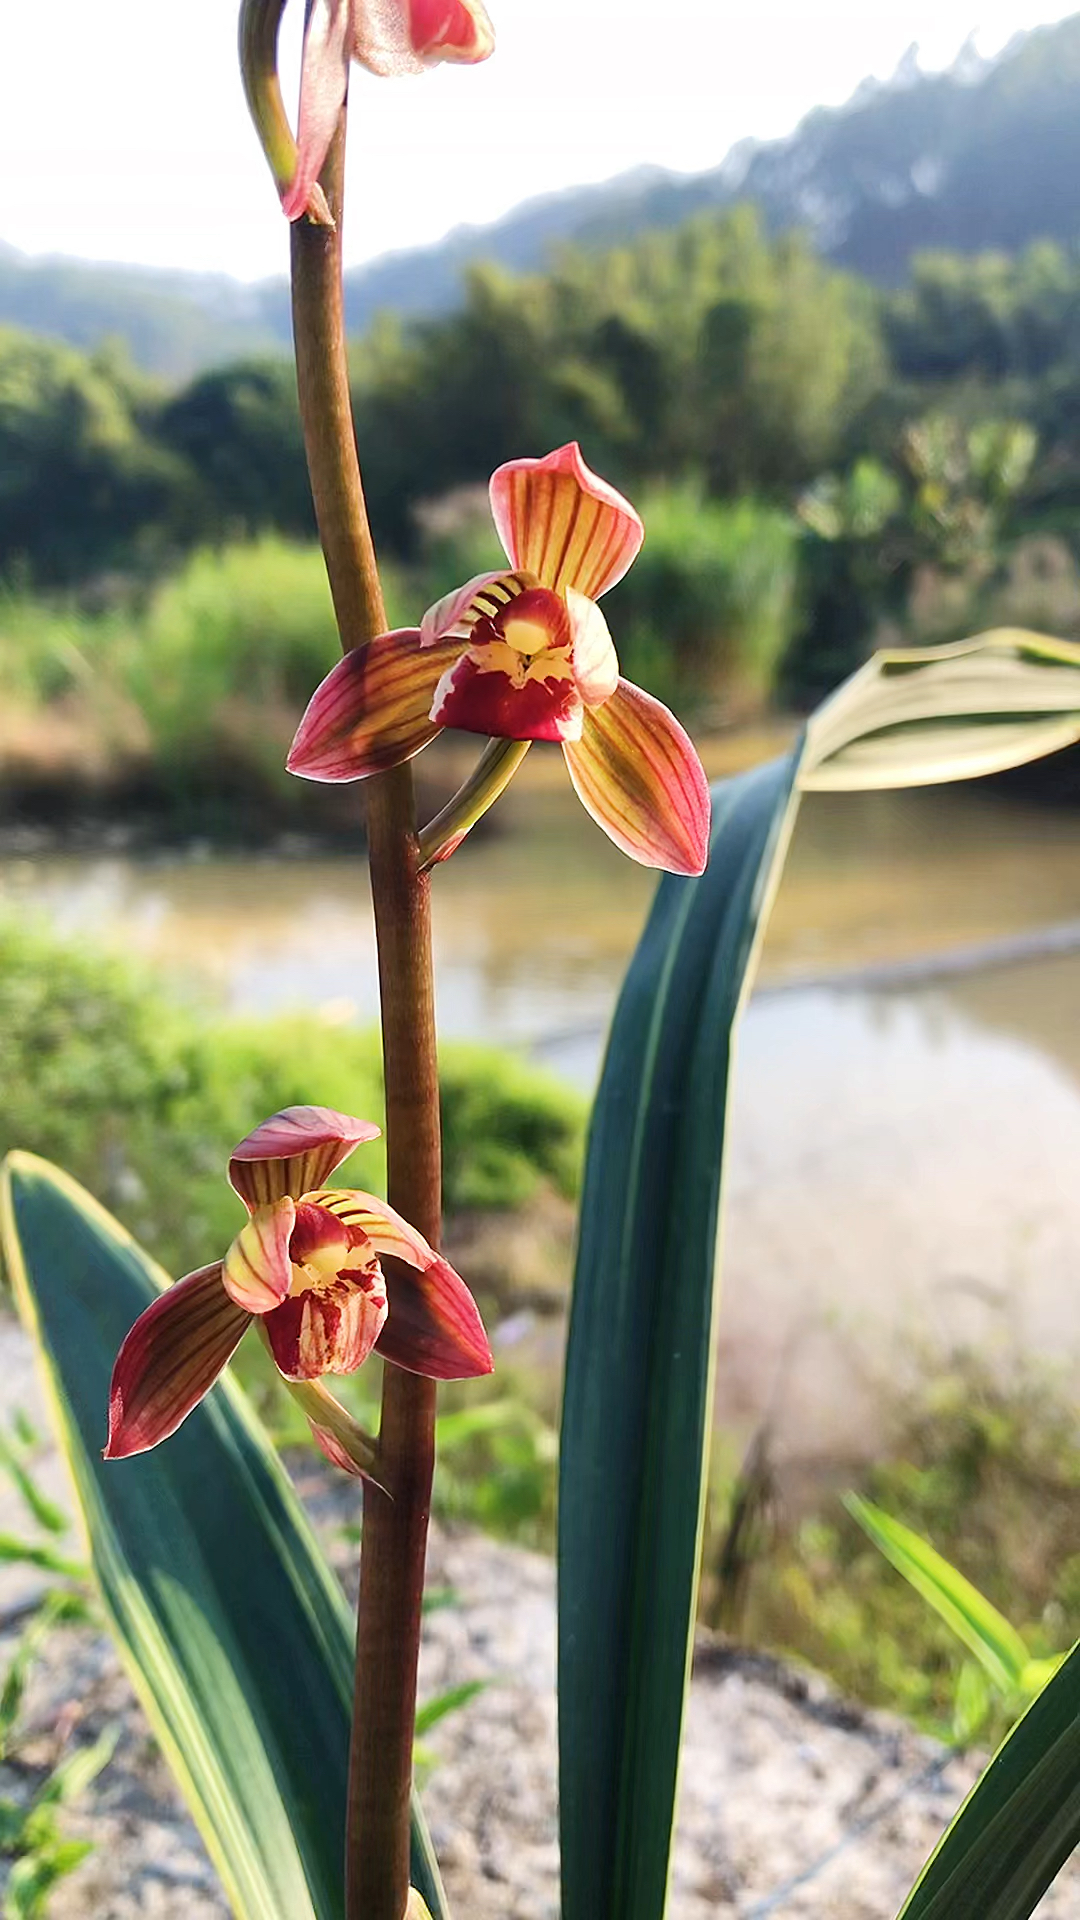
(525, 636)
(520, 640)
(323, 1254)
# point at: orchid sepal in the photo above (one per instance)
(373, 710)
(169, 1361)
(637, 772)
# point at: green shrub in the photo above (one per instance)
(141, 1096)
(707, 609)
(253, 623)
(506, 1127)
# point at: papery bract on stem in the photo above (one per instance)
(308, 1266)
(525, 654)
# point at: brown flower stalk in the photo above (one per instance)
(395, 1527)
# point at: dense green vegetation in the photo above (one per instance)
(821, 466)
(141, 1095)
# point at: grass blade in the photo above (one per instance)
(984, 1631)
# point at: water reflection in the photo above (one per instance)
(902, 1180)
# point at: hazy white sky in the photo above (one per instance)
(123, 134)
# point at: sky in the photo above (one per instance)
(123, 132)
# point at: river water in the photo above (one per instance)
(904, 1173)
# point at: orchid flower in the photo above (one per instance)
(388, 37)
(526, 655)
(306, 1266)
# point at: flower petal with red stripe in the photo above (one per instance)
(373, 710)
(295, 1149)
(560, 521)
(433, 1325)
(170, 1360)
(636, 770)
(257, 1271)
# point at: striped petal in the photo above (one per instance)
(170, 1359)
(324, 76)
(373, 710)
(256, 1271)
(433, 1326)
(405, 36)
(327, 1329)
(295, 1149)
(456, 614)
(563, 523)
(637, 772)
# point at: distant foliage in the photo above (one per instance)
(82, 485)
(823, 467)
(239, 430)
(708, 608)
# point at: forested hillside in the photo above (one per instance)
(821, 463)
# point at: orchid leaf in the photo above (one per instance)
(639, 1363)
(1019, 1823)
(916, 716)
(233, 1630)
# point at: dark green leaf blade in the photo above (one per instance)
(639, 1368)
(1019, 1823)
(231, 1625)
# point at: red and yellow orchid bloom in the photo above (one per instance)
(387, 37)
(306, 1265)
(526, 655)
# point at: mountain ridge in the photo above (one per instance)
(921, 161)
